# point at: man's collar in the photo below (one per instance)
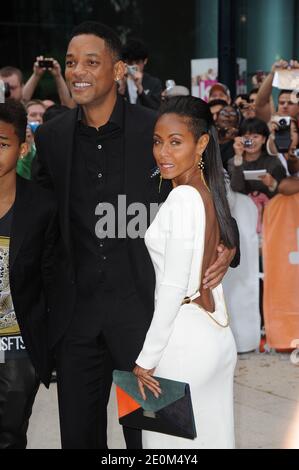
(116, 115)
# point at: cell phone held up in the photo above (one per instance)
(283, 133)
(46, 63)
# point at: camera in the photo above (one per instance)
(4, 91)
(247, 143)
(284, 122)
(46, 64)
(132, 69)
(283, 133)
(33, 125)
(169, 84)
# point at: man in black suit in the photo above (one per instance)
(103, 303)
(138, 86)
(27, 236)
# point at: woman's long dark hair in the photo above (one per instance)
(200, 121)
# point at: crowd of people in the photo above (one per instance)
(91, 146)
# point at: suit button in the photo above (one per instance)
(100, 147)
(100, 175)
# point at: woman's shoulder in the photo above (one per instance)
(184, 192)
(185, 197)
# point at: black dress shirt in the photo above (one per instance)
(97, 177)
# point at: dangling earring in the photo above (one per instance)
(201, 167)
(160, 184)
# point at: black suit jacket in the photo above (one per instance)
(52, 169)
(151, 95)
(33, 236)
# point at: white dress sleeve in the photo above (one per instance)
(185, 218)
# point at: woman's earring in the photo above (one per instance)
(160, 184)
(201, 165)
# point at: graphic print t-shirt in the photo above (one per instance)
(11, 343)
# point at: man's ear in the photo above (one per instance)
(120, 69)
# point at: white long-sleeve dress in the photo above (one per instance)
(183, 343)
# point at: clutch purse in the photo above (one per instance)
(171, 413)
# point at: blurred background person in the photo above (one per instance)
(14, 79)
(215, 107)
(251, 154)
(287, 106)
(138, 86)
(40, 67)
(227, 124)
(35, 111)
(219, 91)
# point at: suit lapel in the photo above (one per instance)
(63, 146)
(20, 222)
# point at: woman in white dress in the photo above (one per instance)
(190, 342)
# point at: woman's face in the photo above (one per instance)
(257, 140)
(175, 149)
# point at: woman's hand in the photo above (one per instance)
(268, 180)
(145, 379)
(239, 146)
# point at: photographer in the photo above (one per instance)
(264, 103)
(41, 65)
(227, 124)
(138, 86)
(283, 141)
(246, 104)
(251, 154)
(13, 78)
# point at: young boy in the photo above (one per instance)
(27, 236)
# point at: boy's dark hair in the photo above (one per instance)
(102, 31)
(134, 49)
(254, 126)
(13, 112)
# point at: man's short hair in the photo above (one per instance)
(254, 91)
(134, 49)
(283, 92)
(102, 31)
(6, 72)
(13, 112)
(33, 102)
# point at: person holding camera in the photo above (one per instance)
(287, 106)
(283, 143)
(227, 124)
(251, 154)
(138, 86)
(284, 140)
(42, 65)
(14, 82)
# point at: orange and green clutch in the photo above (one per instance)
(171, 413)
